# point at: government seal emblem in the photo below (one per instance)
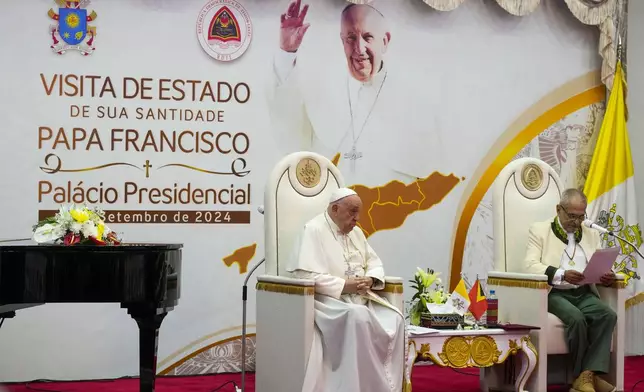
(73, 31)
(224, 29)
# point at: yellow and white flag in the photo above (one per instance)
(460, 298)
(612, 203)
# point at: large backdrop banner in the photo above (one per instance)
(169, 115)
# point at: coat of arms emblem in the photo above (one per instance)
(224, 29)
(73, 31)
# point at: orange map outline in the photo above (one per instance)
(389, 206)
(242, 257)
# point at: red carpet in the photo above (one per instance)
(424, 379)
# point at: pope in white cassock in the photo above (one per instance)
(359, 340)
(374, 118)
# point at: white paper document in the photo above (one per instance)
(417, 331)
(601, 262)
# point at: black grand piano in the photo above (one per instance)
(143, 278)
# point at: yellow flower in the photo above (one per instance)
(436, 297)
(79, 215)
(427, 278)
(100, 229)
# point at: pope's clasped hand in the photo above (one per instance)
(357, 285)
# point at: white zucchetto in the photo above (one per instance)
(341, 194)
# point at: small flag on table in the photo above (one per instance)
(478, 302)
(460, 299)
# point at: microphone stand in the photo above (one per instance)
(244, 298)
(15, 240)
(631, 244)
(260, 209)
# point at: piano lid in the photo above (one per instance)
(133, 273)
(126, 247)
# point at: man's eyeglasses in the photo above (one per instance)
(573, 216)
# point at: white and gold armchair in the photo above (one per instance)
(527, 191)
(298, 189)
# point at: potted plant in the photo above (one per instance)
(430, 296)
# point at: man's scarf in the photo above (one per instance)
(561, 233)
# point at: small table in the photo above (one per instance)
(483, 348)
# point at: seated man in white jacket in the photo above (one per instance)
(561, 248)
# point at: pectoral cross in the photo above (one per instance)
(147, 167)
(353, 155)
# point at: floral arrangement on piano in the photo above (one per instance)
(74, 225)
(430, 293)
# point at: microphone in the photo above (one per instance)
(592, 225)
(260, 209)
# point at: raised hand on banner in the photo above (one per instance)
(292, 26)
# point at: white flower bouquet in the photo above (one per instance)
(75, 225)
(430, 293)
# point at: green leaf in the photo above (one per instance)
(49, 220)
(415, 318)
